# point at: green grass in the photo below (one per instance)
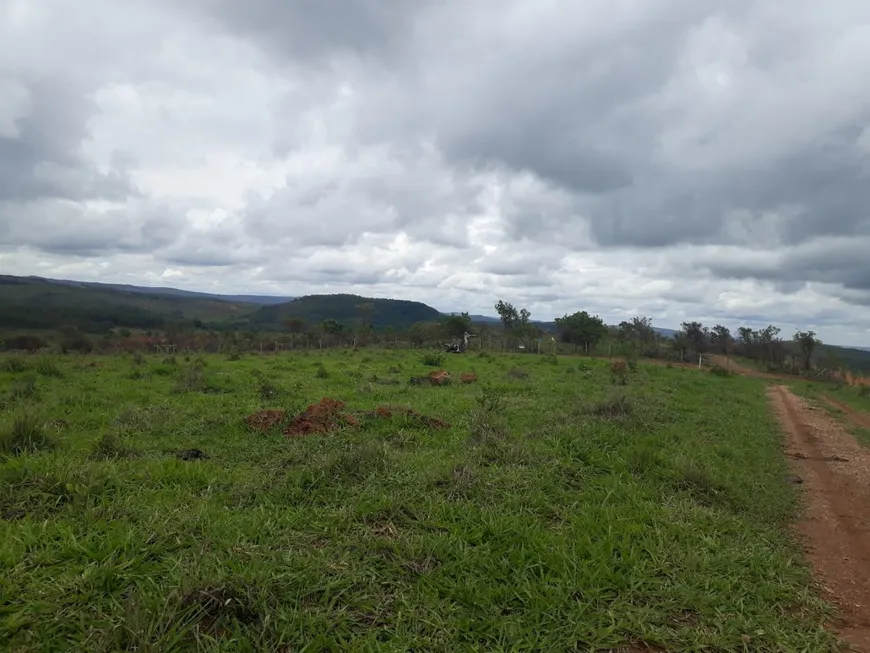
(558, 511)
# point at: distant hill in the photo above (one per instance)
(36, 303)
(171, 292)
(396, 313)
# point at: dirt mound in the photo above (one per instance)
(324, 416)
(437, 377)
(468, 377)
(265, 420)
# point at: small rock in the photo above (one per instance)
(795, 479)
(192, 454)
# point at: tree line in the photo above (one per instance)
(515, 329)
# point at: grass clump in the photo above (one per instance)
(48, 367)
(14, 364)
(432, 359)
(25, 434)
(612, 406)
(111, 446)
(24, 388)
(194, 378)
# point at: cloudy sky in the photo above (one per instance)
(682, 159)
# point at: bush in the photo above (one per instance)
(864, 391)
(26, 434)
(269, 392)
(614, 405)
(110, 446)
(718, 370)
(619, 370)
(48, 367)
(322, 372)
(194, 379)
(14, 364)
(488, 422)
(432, 359)
(24, 388)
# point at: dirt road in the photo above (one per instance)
(835, 474)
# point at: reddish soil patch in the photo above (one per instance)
(439, 377)
(324, 416)
(835, 471)
(468, 377)
(387, 412)
(265, 420)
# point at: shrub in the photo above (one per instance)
(24, 388)
(488, 423)
(614, 405)
(322, 372)
(864, 391)
(718, 370)
(619, 370)
(138, 358)
(194, 379)
(14, 364)
(26, 434)
(110, 446)
(48, 367)
(432, 359)
(269, 392)
(518, 373)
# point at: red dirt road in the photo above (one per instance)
(835, 474)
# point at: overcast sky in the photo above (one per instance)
(681, 159)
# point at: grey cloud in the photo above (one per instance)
(838, 261)
(61, 227)
(318, 29)
(44, 158)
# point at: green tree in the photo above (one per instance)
(580, 328)
(508, 314)
(807, 343)
(720, 337)
(456, 325)
(696, 335)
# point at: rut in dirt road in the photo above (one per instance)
(835, 471)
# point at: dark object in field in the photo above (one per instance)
(192, 454)
(322, 417)
(11, 515)
(793, 478)
(265, 420)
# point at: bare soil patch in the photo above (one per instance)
(265, 420)
(835, 473)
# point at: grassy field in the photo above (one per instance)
(541, 508)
